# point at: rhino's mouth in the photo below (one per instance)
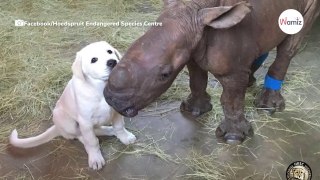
(122, 105)
(129, 112)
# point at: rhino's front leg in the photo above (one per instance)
(234, 128)
(198, 102)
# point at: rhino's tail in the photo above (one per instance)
(45, 137)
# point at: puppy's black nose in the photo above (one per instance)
(111, 63)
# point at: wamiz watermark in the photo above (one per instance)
(291, 21)
(21, 23)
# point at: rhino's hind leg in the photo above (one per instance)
(234, 128)
(270, 98)
(255, 66)
(198, 102)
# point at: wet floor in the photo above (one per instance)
(172, 145)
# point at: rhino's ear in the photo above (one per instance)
(168, 3)
(224, 16)
(77, 67)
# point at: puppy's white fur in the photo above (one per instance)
(82, 112)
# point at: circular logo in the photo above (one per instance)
(290, 21)
(299, 171)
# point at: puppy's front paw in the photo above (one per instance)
(126, 137)
(96, 160)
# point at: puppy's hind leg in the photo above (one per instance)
(124, 136)
(68, 127)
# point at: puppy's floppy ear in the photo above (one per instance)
(77, 67)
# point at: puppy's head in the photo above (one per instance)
(96, 61)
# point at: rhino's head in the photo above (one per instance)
(153, 61)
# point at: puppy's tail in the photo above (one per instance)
(45, 137)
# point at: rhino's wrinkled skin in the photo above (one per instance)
(222, 37)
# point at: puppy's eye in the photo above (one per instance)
(109, 51)
(93, 60)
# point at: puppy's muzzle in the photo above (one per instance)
(111, 63)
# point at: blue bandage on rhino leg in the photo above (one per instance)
(259, 61)
(272, 83)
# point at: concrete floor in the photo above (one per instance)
(167, 139)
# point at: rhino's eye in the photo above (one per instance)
(165, 73)
(164, 76)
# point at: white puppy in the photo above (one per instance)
(82, 110)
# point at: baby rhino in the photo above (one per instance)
(82, 112)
